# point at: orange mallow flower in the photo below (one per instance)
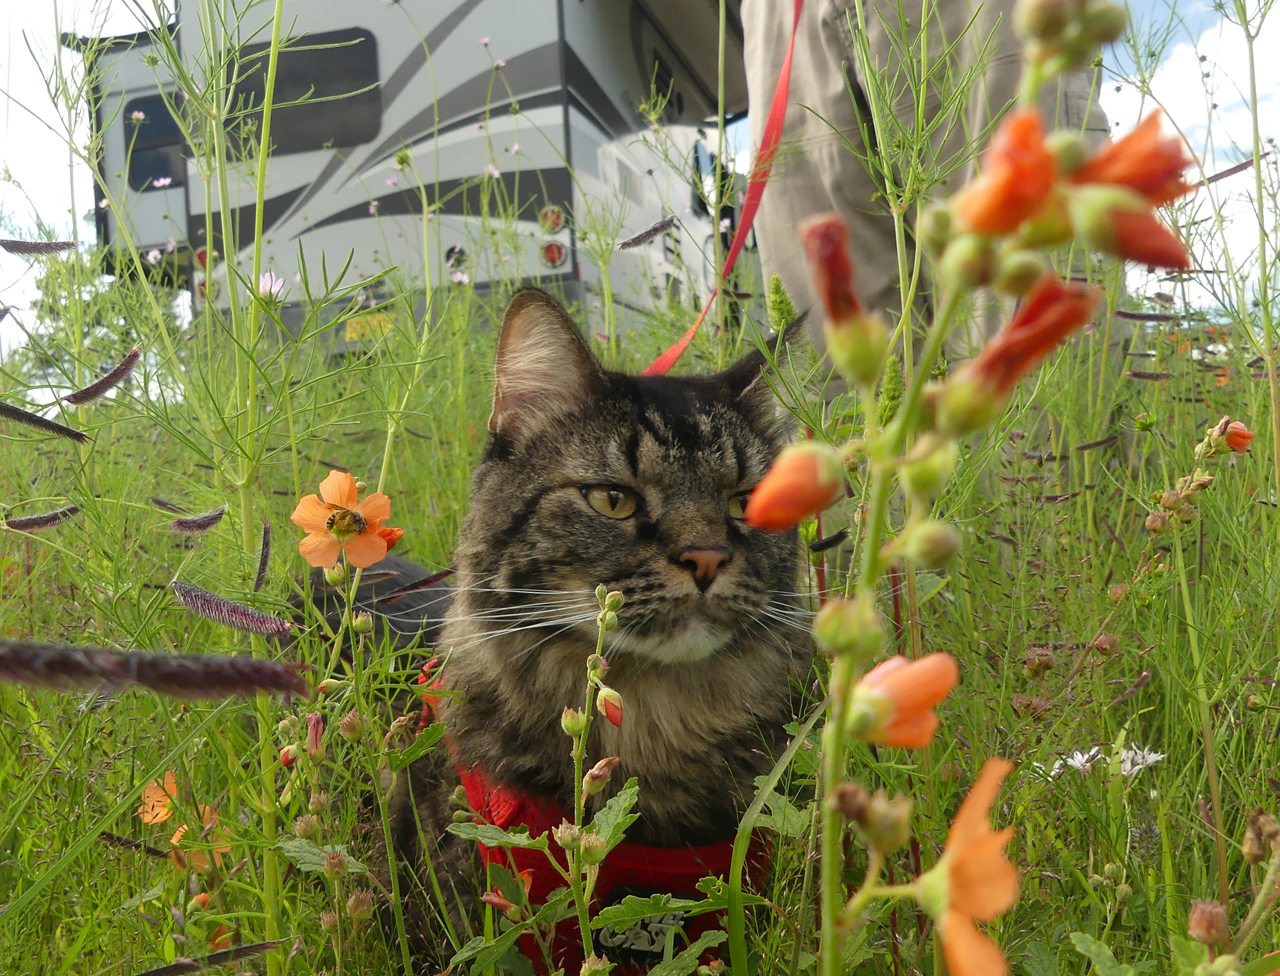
(199, 860)
(976, 393)
(805, 479)
(893, 704)
(157, 799)
(1238, 437)
(1017, 175)
(1142, 161)
(342, 524)
(973, 881)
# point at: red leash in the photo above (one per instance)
(755, 190)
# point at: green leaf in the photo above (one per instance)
(783, 818)
(1040, 960)
(717, 892)
(309, 856)
(1188, 954)
(1262, 965)
(1104, 963)
(928, 585)
(687, 961)
(634, 909)
(399, 759)
(491, 836)
(613, 819)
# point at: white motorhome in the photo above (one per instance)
(473, 107)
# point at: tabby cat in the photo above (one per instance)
(639, 483)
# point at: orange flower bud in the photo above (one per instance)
(315, 736)
(288, 755)
(856, 341)
(610, 703)
(893, 703)
(975, 394)
(805, 479)
(1238, 437)
(1119, 221)
(1017, 175)
(1142, 161)
(502, 904)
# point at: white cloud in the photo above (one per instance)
(1203, 85)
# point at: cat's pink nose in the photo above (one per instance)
(704, 563)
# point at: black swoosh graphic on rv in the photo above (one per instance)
(582, 83)
(463, 197)
(395, 85)
(532, 71)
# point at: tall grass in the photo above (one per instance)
(1080, 634)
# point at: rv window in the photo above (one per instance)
(336, 75)
(155, 145)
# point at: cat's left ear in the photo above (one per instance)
(746, 378)
(543, 367)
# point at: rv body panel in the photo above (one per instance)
(482, 136)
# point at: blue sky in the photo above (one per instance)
(37, 176)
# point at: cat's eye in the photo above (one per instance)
(738, 505)
(612, 500)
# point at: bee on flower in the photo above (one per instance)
(339, 524)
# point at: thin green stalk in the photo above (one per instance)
(1206, 724)
(844, 669)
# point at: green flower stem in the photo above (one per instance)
(1262, 905)
(1206, 723)
(844, 670)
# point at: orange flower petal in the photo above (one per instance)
(320, 550)
(157, 800)
(365, 549)
(339, 489)
(983, 882)
(376, 507)
(911, 733)
(390, 536)
(920, 685)
(968, 951)
(1142, 238)
(1016, 178)
(971, 820)
(311, 515)
(1142, 161)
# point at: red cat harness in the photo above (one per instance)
(628, 869)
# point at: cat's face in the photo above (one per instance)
(638, 483)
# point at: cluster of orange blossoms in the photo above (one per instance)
(339, 524)
(157, 807)
(1042, 198)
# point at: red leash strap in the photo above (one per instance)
(755, 190)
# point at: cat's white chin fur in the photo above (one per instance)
(693, 639)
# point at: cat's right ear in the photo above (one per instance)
(543, 366)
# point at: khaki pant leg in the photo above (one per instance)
(818, 171)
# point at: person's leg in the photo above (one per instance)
(816, 170)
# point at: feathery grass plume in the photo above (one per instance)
(229, 613)
(213, 960)
(37, 248)
(782, 310)
(264, 557)
(4, 311)
(645, 236)
(422, 584)
(45, 520)
(67, 666)
(165, 506)
(198, 524)
(36, 422)
(114, 378)
(892, 388)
